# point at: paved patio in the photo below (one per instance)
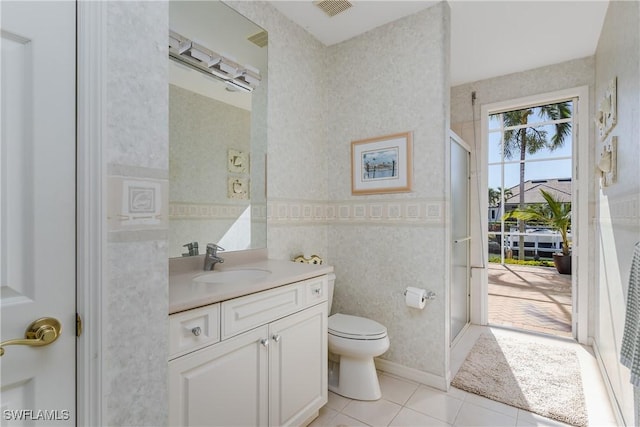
(532, 298)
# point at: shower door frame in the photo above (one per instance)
(455, 239)
(580, 199)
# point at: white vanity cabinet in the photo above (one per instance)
(269, 367)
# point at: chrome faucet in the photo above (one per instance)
(192, 247)
(211, 258)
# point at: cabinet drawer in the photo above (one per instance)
(241, 314)
(244, 313)
(317, 290)
(193, 329)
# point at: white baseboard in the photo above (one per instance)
(615, 406)
(412, 374)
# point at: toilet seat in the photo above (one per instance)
(355, 328)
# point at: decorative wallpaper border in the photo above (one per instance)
(178, 211)
(305, 212)
(393, 211)
(624, 210)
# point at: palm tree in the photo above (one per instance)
(507, 193)
(494, 196)
(525, 140)
(498, 197)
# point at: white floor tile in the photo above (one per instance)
(471, 415)
(528, 419)
(435, 403)
(492, 405)
(375, 413)
(409, 418)
(395, 389)
(457, 393)
(325, 418)
(337, 402)
(342, 420)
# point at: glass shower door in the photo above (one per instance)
(460, 233)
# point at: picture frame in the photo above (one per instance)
(382, 164)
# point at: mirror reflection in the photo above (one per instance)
(217, 129)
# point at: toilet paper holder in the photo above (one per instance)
(429, 295)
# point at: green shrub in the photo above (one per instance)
(540, 263)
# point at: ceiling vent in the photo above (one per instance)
(259, 39)
(333, 7)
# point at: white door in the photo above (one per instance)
(37, 215)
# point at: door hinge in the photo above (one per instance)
(78, 325)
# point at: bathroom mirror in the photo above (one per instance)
(217, 130)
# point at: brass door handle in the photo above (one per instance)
(41, 332)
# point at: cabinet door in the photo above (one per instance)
(222, 385)
(298, 366)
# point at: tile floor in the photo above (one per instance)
(408, 403)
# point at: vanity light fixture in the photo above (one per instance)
(238, 86)
(200, 58)
(198, 53)
(250, 75)
(178, 43)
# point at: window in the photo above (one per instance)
(530, 149)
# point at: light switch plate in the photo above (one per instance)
(238, 188)
(610, 150)
(607, 114)
(238, 161)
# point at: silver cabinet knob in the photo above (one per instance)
(196, 331)
(317, 291)
(276, 338)
(265, 342)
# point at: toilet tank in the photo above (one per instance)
(331, 283)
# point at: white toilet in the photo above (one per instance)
(356, 340)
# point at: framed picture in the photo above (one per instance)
(381, 165)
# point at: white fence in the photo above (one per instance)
(540, 241)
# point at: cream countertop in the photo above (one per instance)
(185, 294)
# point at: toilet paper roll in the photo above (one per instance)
(415, 297)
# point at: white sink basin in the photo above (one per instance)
(230, 276)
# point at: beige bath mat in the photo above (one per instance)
(535, 377)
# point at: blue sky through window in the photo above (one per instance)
(537, 169)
